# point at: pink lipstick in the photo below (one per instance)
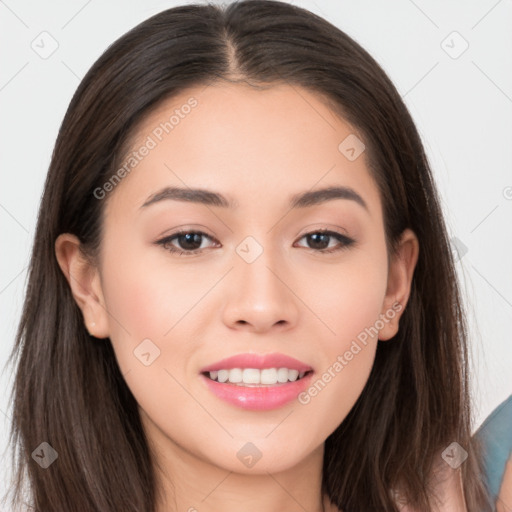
(257, 381)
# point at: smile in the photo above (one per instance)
(256, 377)
(257, 382)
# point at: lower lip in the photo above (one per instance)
(261, 398)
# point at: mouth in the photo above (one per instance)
(255, 377)
(257, 382)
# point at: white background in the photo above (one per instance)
(462, 107)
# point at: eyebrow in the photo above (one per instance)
(210, 198)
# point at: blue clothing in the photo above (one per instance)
(495, 434)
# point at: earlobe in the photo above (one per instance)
(400, 275)
(84, 281)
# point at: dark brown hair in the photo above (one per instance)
(68, 389)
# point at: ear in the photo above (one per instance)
(84, 280)
(401, 270)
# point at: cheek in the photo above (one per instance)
(351, 306)
(348, 298)
(147, 311)
(158, 310)
(147, 298)
(347, 360)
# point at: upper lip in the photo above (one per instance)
(258, 361)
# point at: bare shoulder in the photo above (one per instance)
(504, 502)
(449, 488)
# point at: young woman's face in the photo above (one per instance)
(257, 280)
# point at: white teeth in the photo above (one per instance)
(268, 376)
(235, 375)
(250, 376)
(282, 375)
(253, 376)
(222, 375)
(293, 374)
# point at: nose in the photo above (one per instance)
(260, 295)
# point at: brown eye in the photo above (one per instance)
(189, 241)
(319, 241)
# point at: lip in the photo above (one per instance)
(258, 361)
(258, 398)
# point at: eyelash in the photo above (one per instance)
(346, 242)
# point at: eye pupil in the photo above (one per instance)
(190, 238)
(319, 239)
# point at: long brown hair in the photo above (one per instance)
(68, 389)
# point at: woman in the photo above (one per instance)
(241, 291)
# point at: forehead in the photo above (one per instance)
(245, 142)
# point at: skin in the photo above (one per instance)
(258, 148)
(504, 501)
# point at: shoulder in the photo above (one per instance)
(495, 436)
(447, 487)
